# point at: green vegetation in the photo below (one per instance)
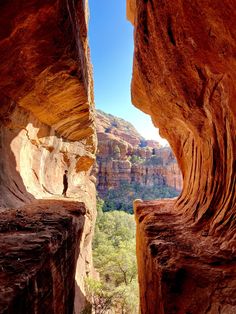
(154, 160)
(134, 159)
(115, 260)
(116, 152)
(122, 198)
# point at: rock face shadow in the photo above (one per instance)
(40, 245)
(12, 188)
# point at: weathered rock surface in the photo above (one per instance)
(180, 270)
(47, 98)
(109, 124)
(124, 155)
(184, 77)
(47, 126)
(40, 246)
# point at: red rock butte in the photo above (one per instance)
(184, 77)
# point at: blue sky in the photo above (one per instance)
(111, 43)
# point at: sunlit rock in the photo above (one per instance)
(184, 77)
(125, 156)
(47, 127)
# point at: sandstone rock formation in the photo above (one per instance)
(124, 155)
(39, 251)
(109, 124)
(184, 77)
(47, 120)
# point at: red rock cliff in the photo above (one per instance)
(46, 115)
(184, 77)
(124, 155)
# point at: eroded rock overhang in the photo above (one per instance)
(46, 95)
(184, 78)
(47, 126)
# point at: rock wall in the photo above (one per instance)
(124, 155)
(183, 76)
(46, 95)
(46, 114)
(39, 251)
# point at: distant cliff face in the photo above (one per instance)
(125, 156)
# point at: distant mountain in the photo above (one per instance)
(128, 166)
(124, 130)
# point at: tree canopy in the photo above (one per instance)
(115, 260)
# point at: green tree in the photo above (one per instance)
(99, 299)
(122, 198)
(115, 260)
(116, 152)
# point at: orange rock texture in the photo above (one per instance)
(46, 114)
(184, 77)
(46, 92)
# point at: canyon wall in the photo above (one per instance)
(47, 122)
(184, 78)
(125, 156)
(46, 98)
(40, 245)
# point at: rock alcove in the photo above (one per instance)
(47, 126)
(183, 76)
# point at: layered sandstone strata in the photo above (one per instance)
(183, 76)
(46, 115)
(124, 155)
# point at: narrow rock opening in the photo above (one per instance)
(170, 31)
(183, 77)
(132, 162)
